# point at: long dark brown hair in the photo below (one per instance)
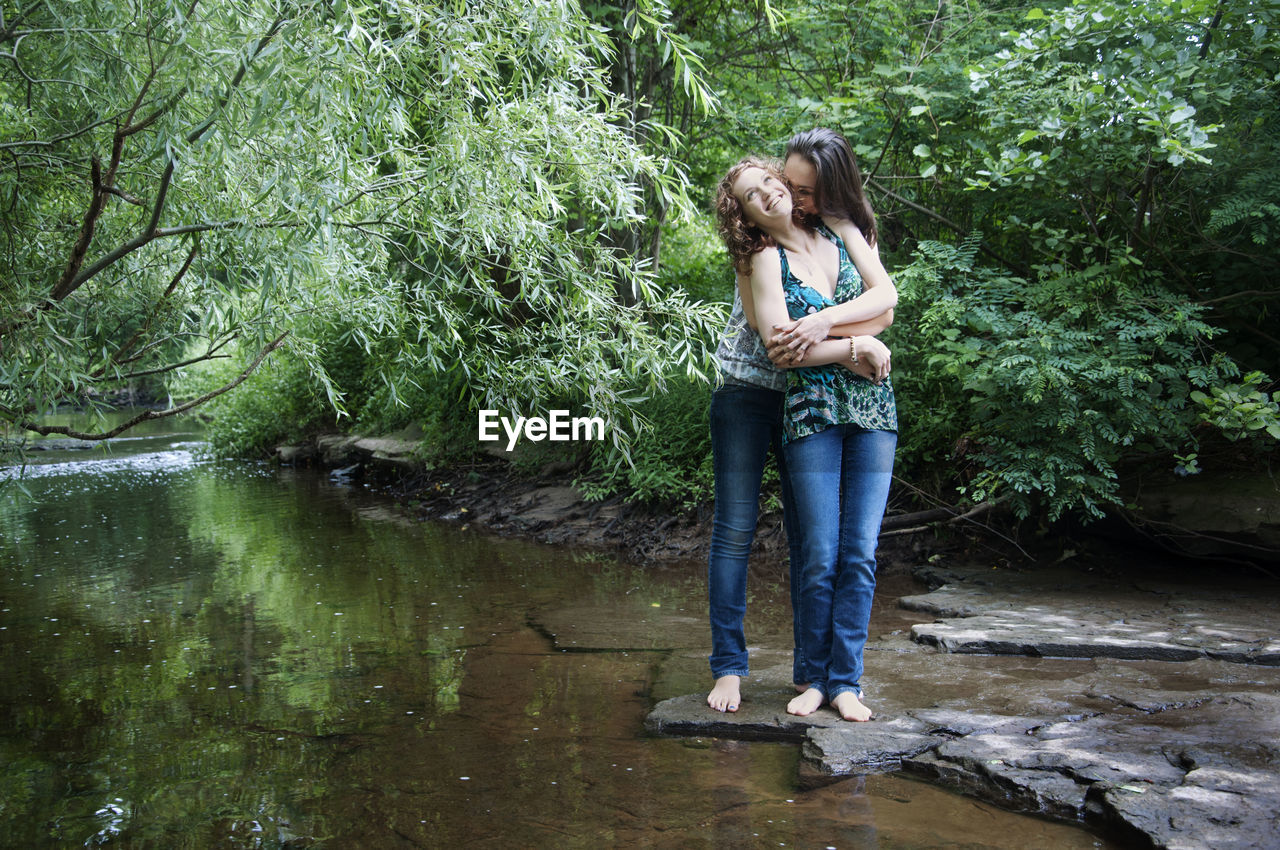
(838, 190)
(741, 237)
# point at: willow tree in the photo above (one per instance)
(187, 181)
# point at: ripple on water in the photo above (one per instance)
(173, 460)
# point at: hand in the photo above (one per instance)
(782, 356)
(875, 355)
(800, 335)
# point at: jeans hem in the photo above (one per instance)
(844, 689)
(739, 673)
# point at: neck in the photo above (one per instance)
(790, 236)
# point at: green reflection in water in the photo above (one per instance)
(195, 655)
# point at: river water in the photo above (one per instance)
(204, 654)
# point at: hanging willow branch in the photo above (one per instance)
(148, 415)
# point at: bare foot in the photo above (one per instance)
(726, 695)
(848, 706)
(807, 703)
(801, 688)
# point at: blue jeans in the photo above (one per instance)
(841, 480)
(745, 423)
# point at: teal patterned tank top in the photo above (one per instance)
(821, 396)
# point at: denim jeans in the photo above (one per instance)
(745, 423)
(841, 480)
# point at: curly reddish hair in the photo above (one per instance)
(741, 237)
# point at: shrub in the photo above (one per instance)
(1033, 391)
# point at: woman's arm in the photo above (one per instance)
(873, 360)
(875, 304)
(762, 298)
(770, 308)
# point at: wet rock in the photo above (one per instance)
(1073, 614)
(337, 449)
(857, 748)
(291, 455)
(1043, 792)
(389, 450)
(1188, 817)
(762, 717)
(623, 627)
(1203, 774)
(1012, 634)
(955, 723)
(344, 474)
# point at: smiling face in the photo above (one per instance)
(764, 197)
(803, 178)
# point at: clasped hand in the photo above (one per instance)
(790, 343)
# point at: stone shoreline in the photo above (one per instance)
(1144, 749)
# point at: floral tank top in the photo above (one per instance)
(821, 396)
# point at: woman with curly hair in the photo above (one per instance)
(838, 427)
(746, 421)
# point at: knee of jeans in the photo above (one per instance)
(858, 552)
(730, 541)
(815, 548)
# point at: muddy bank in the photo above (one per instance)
(489, 494)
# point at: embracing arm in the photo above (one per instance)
(770, 309)
(869, 313)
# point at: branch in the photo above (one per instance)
(148, 415)
(146, 325)
(37, 143)
(896, 525)
(153, 229)
(209, 355)
(1265, 293)
(1208, 35)
(943, 220)
(6, 32)
(66, 284)
(124, 196)
(145, 239)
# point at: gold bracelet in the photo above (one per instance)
(853, 350)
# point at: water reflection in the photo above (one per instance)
(196, 654)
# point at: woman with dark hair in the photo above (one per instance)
(839, 429)
(826, 185)
(746, 422)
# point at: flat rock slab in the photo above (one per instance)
(1200, 774)
(1073, 614)
(853, 748)
(1204, 811)
(1124, 706)
(623, 627)
(761, 717)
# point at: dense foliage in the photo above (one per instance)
(1074, 200)
(437, 207)
(433, 184)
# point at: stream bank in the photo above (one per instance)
(489, 494)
